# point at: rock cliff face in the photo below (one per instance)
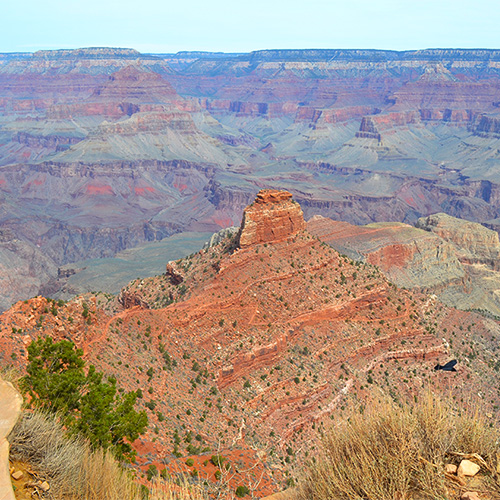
(455, 259)
(24, 268)
(474, 242)
(128, 91)
(408, 256)
(274, 216)
(134, 84)
(487, 125)
(92, 61)
(371, 126)
(10, 409)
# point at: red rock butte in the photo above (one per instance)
(274, 216)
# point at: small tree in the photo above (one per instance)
(57, 382)
(55, 375)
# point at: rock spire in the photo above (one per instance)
(273, 216)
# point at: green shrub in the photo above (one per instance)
(151, 472)
(242, 491)
(151, 405)
(58, 382)
(217, 460)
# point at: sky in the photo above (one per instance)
(246, 25)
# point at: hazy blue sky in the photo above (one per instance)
(232, 26)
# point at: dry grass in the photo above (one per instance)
(102, 478)
(166, 489)
(399, 453)
(74, 471)
(11, 374)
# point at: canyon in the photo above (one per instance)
(106, 149)
(251, 346)
(259, 244)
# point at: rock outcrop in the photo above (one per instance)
(129, 299)
(474, 242)
(274, 216)
(487, 125)
(216, 238)
(174, 274)
(408, 256)
(455, 259)
(10, 407)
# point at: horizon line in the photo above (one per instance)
(105, 47)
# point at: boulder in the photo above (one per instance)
(470, 495)
(450, 468)
(18, 474)
(468, 468)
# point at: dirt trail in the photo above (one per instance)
(104, 334)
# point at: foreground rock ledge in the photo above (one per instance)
(274, 216)
(10, 408)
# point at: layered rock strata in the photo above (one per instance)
(273, 216)
(455, 259)
(408, 256)
(474, 242)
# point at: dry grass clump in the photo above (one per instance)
(399, 453)
(74, 471)
(10, 374)
(167, 489)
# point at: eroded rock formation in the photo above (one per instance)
(474, 242)
(174, 274)
(274, 216)
(455, 259)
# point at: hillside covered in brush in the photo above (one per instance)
(248, 350)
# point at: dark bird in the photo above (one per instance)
(448, 367)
